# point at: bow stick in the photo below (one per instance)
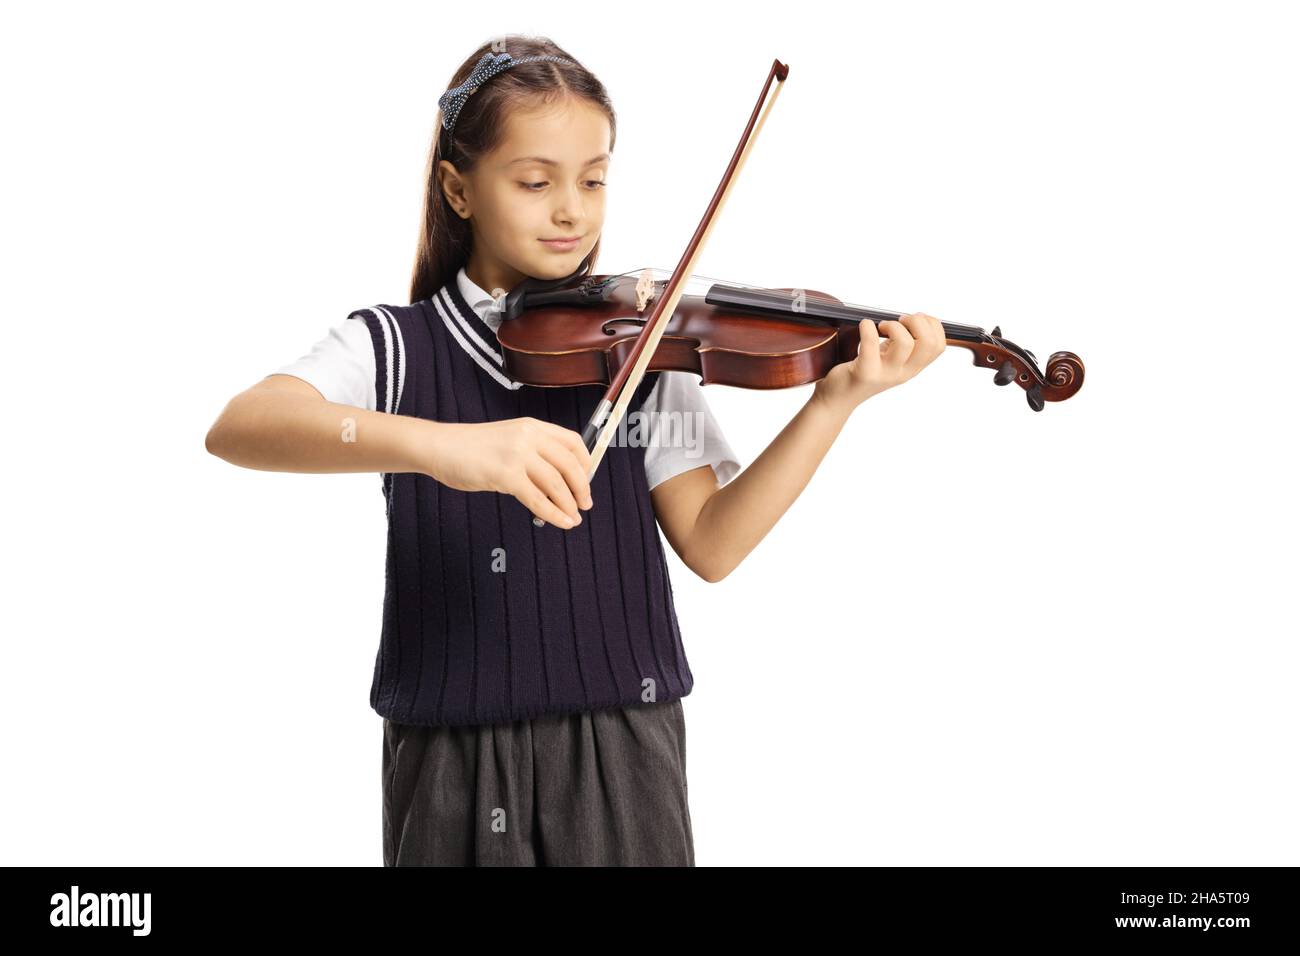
(610, 409)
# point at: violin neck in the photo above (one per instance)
(786, 304)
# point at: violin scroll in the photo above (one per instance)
(1063, 377)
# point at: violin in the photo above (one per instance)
(581, 330)
(611, 329)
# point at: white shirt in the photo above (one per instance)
(341, 366)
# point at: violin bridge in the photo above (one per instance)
(645, 289)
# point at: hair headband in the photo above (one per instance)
(487, 67)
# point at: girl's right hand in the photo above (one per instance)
(542, 464)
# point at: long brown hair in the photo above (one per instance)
(445, 238)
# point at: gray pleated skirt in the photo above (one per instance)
(596, 788)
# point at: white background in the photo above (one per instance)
(981, 636)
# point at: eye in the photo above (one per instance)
(592, 184)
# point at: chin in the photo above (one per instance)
(557, 267)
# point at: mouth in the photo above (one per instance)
(562, 245)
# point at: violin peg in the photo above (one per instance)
(1035, 397)
(997, 331)
(1006, 374)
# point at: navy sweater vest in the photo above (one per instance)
(486, 617)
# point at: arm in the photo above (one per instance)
(713, 529)
(284, 424)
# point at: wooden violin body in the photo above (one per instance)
(582, 330)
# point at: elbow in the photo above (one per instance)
(711, 572)
(215, 442)
(230, 433)
(706, 559)
(220, 437)
(212, 441)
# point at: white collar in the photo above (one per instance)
(472, 318)
(479, 300)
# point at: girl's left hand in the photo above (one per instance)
(911, 344)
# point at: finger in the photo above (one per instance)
(561, 455)
(938, 336)
(868, 360)
(926, 331)
(934, 327)
(543, 509)
(548, 478)
(900, 343)
(573, 441)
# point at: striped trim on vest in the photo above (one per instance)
(390, 364)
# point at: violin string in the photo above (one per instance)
(753, 286)
(956, 329)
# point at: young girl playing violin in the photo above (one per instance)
(530, 678)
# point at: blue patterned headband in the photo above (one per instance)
(487, 67)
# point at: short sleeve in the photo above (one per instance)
(682, 433)
(341, 366)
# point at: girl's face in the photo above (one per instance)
(545, 181)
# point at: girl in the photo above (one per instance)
(530, 679)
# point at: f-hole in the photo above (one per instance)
(609, 327)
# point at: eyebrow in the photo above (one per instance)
(542, 160)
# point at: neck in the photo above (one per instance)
(489, 274)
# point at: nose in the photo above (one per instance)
(568, 208)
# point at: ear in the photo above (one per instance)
(454, 187)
